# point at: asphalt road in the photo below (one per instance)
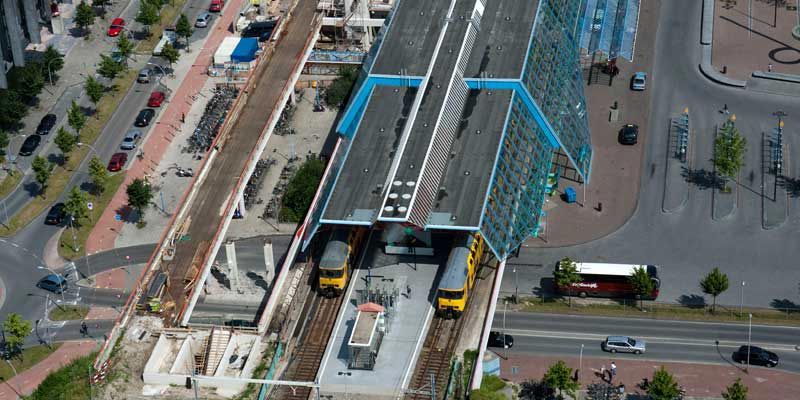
(21, 254)
(680, 341)
(688, 243)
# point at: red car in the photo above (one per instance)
(216, 5)
(117, 25)
(156, 98)
(117, 161)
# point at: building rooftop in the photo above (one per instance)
(502, 42)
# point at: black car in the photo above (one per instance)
(629, 134)
(56, 214)
(503, 340)
(758, 356)
(144, 117)
(29, 145)
(46, 124)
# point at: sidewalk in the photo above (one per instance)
(192, 77)
(699, 380)
(770, 41)
(27, 381)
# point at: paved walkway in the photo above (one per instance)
(744, 50)
(699, 380)
(27, 381)
(616, 169)
(107, 228)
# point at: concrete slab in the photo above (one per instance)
(407, 326)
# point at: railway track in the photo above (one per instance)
(434, 359)
(309, 352)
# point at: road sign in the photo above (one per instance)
(90, 206)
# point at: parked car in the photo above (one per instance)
(202, 20)
(131, 139)
(156, 98)
(117, 26)
(144, 75)
(623, 344)
(638, 81)
(29, 145)
(46, 124)
(758, 356)
(629, 134)
(216, 5)
(116, 55)
(56, 214)
(117, 161)
(144, 117)
(54, 283)
(502, 340)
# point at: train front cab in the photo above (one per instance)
(459, 278)
(338, 256)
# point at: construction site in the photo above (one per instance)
(394, 271)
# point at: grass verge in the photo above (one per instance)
(67, 244)
(9, 183)
(30, 357)
(169, 14)
(68, 382)
(658, 311)
(68, 313)
(63, 173)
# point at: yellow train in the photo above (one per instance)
(459, 277)
(337, 259)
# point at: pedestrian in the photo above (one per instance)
(84, 329)
(408, 290)
(613, 371)
(183, 117)
(769, 67)
(725, 109)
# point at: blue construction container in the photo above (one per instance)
(570, 196)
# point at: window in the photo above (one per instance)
(331, 273)
(451, 294)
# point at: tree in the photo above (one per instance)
(95, 90)
(108, 68)
(65, 142)
(76, 205)
(642, 284)
(559, 377)
(338, 91)
(184, 29)
(12, 109)
(15, 330)
(567, 275)
(736, 391)
(42, 169)
(729, 149)
(84, 17)
(148, 15)
(52, 62)
(125, 47)
(140, 193)
(99, 175)
(76, 119)
(170, 53)
(663, 386)
(27, 81)
(714, 283)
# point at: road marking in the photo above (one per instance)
(648, 339)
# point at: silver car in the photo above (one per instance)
(202, 20)
(144, 75)
(623, 344)
(131, 139)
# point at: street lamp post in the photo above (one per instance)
(505, 346)
(49, 71)
(163, 74)
(580, 361)
(741, 303)
(749, 336)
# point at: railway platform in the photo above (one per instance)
(405, 287)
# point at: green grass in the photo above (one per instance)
(66, 243)
(30, 357)
(69, 382)
(68, 313)
(63, 173)
(9, 183)
(659, 311)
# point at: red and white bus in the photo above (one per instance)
(609, 280)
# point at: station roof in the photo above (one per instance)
(423, 41)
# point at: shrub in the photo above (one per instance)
(301, 190)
